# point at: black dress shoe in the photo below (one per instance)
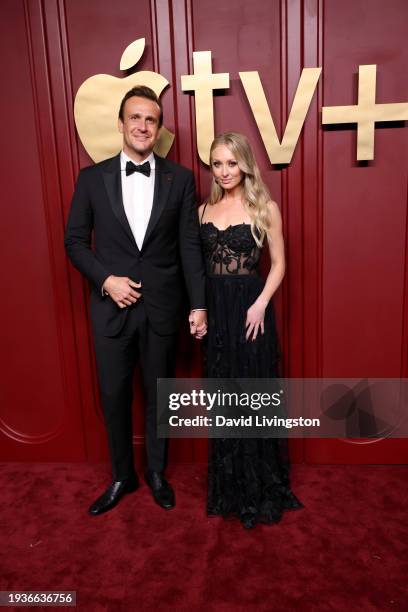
(113, 495)
(163, 494)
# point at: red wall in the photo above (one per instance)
(342, 310)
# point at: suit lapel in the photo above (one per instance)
(113, 185)
(162, 186)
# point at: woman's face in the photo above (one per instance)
(225, 168)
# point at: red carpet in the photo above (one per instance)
(346, 550)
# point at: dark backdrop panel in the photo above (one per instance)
(342, 308)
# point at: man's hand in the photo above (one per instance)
(119, 288)
(198, 323)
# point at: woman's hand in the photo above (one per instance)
(255, 319)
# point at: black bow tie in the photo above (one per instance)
(143, 168)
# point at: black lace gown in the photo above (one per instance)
(247, 478)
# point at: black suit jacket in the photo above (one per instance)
(171, 245)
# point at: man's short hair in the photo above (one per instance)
(141, 91)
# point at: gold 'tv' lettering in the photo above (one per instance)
(203, 82)
(280, 152)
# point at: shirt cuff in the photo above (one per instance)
(103, 292)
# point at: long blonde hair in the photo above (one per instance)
(255, 193)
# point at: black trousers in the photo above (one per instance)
(116, 361)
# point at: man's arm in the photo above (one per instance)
(78, 236)
(190, 247)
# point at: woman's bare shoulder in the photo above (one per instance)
(273, 206)
(274, 210)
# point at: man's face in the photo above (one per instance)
(140, 127)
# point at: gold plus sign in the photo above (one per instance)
(366, 112)
(203, 82)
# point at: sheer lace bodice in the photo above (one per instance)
(229, 251)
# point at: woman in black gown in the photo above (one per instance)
(247, 478)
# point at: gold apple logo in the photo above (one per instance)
(97, 103)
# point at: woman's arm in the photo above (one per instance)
(256, 313)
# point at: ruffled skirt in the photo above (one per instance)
(247, 478)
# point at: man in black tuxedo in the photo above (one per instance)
(142, 210)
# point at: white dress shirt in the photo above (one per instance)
(137, 195)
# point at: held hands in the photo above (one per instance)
(122, 290)
(198, 323)
(255, 320)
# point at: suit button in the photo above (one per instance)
(140, 258)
